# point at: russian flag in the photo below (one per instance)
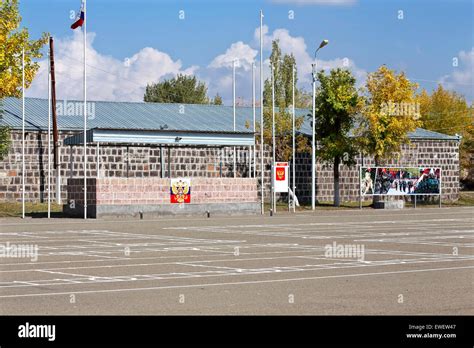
(79, 20)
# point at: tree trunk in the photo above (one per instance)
(337, 161)
(376, 198)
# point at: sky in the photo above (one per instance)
(131, 43)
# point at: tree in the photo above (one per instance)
(337, 103)
(448, 112)
(384, 122)
(217, 100)
(303, 99)
(180, 89)
(283, 68)
(12, 42)
(4, 137)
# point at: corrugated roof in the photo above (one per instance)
(128, 115)
(151, 116)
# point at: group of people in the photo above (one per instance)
(392, 182)
(404, 185)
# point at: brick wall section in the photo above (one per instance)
(124, 191)
(114, 161)
(423, 153)
(146, 162)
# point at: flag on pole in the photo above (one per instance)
(81, 22)
(79, 18)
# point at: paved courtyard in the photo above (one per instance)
(329, 262)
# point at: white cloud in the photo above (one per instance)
(315, 2)
(219, 74)
(238, 50)
(304, 56)
(112, 79)
(462, 77)
(108, 78)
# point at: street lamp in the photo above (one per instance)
(313, 159)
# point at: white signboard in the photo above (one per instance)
(280, 176)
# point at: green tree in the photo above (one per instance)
(283, 68)
(4, 136)
(303, 99)
(13, 40)
(180, 89)
(448, 112)
(217, 100)
(381, 131)
(337, 103)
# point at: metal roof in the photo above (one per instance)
(150, 116)
(127, 115)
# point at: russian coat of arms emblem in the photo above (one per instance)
(180, 191)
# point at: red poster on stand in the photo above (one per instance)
(281, 176)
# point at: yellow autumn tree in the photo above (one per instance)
(389, 114)
(12, 41)
(447, 112)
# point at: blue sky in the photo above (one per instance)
(363, 34)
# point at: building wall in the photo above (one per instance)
(420, 153)
(120, 191)
(137, 162)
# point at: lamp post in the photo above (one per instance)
(313, 154)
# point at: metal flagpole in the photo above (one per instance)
(85, 111)
(23, 135)
(253, 104)
(262, 169)
(49, 139)
(313, 146)
(233, 103)
(273, 138)
(294, 142)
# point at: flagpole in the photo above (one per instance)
(23, 134)
(253, 105)
(49, 138)
(294, 142)
(262, 189)
(273, 138)
(85, 110)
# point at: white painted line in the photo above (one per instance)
(235, 283)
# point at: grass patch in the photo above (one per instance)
(31, 209)
(466, 198)
(283, 206)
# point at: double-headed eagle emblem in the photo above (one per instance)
(180, 191)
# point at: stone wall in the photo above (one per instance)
(151, 196)
(122, 191)
(142, 162)
(114, 161)
(419, 153)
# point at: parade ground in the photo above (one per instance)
(365, 262)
